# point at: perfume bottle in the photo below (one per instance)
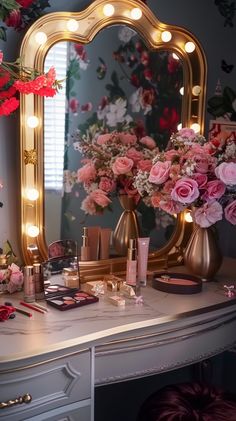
(29, 284)
(38, 281)
(131, 267)
(85, 249)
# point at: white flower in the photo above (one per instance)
(116, 112)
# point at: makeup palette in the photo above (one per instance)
(65, 298)
(176, 283)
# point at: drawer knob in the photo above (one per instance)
(27, 398)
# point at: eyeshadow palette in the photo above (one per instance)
(176, 283)
(65, 298)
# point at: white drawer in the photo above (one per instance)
(52, 384)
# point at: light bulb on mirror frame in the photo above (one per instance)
(41, 38)
(166, 36)
(195, 127)
(32, 121)
(181, 91)
(32, 231)
(108, 10)
(32, 194)
(175, 57)
(72, 25)
(196, 90)
(136, 13)
(188, 216)
(180, 126)
(189, 47)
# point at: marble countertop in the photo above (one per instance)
(42, 333)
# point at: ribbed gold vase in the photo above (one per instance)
(127, 226)
(202, 255)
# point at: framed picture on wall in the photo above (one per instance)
(222, 129)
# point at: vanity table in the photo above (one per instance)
(57, 359)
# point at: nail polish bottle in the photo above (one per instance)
(131, 267)
(85, 249)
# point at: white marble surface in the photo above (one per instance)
(24, 337)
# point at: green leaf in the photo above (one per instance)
(229, 94)
(3, 33)
(10, 4)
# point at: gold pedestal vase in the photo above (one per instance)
(202, 255)
(127, 226)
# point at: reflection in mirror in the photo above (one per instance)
(126, 87)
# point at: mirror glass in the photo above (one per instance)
(124, 86)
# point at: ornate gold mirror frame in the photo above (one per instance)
(82, 27)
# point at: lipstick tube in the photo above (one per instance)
(131, 266)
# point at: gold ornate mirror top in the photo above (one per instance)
(82, 27)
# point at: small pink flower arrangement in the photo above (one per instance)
(193, 172)
(111, 162)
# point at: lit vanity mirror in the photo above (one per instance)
(103, 52)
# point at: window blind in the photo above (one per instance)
(54, 121)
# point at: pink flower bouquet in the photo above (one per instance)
(196, 173)
(111, 161)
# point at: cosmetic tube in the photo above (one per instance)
(143, 247)
(85, 249)
(29, 285)
(131, 266)
(105, 236)
(38, 281)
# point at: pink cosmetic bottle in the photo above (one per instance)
(85, 249)
(131, 267)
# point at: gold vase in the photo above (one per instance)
(202, 255)
(127, 226)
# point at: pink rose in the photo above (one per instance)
(187, 133)
(226, 172)
(127, 138)
(230, 212)
(88, 206)
(86, 173)
(100, 198)
(170, 206)
(103, 138)
(107, 184)
(215, 189)
(171, 154)
(122, 165)
(208, 214)
(86, 107)
(149, 142)
(135, 155)
(159, 172)
(185, 191)
(144, 165)
(201, 179)
(202, 163)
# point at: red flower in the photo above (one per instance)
(145, 58)
(4, 77)
(8, 106)
(25, 3)
(135, 81)
(5, 312)
(169, 119)
(42, 85)
(148, 74)
(13, 19)
(7, 93)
